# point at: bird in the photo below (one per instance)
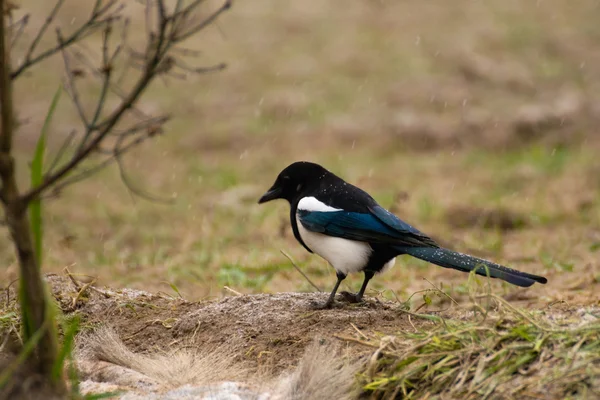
(348, 228)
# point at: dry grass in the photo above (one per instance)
(323, 373)
(500, 353)
(170, 370)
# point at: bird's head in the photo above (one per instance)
(293, 180)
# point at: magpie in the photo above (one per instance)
(347, 227)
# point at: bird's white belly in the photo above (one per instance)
(388, 265)
(344, 255)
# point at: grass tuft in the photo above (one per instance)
(511, 353)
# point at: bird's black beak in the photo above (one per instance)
(272, 194)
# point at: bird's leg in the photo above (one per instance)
(357, 298)
(329, 303)
(361, 292)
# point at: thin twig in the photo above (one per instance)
(180, 36)
(20, 24)
(43, 29)
(114, 87)
(358, 331)
(299, 270)
(71, 89)
(232, 291)
(95, 289)
(98, 17)
(6, 339)
(90, 171)
(351, 339)
(442, 292)
(200, 70)
(80, 293)
(61, 151)
(73, 280)
(130, 185)
(106, 69)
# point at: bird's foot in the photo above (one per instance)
(351, 297)
(328, 305)
(314, 305)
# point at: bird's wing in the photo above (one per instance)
(397, 224)
(375, 226)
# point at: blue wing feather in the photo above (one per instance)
(376, 227)
(411, 234)
(391, 220)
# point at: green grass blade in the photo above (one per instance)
(66, 350)
(27, 325)
(98, 396)
(175, 289)
(37, 165)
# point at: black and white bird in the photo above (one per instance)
(348, 228)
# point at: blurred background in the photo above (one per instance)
(477, 122)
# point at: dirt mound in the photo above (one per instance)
(263, 335)
(265, 330)
(278, 327)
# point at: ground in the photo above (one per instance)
(477, 123)
(157, 345)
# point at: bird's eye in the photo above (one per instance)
(298, 187)
(287, 178)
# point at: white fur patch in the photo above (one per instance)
(344, 255)
(312, 204)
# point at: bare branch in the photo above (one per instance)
(5, 94)
(106, 70)
(132, 187)
(150, 126)
(178, 6)
(185, 32)
(43, 29)
(71, 88)
(66, 143)
(105, 39)
(114, 88)
(105, 163)
(186, 52)
(148, 18)
(162, 12)
(122, 44)
(200, 70)
(156, 60)
(87, 150)
(100, 16)
(20, 27)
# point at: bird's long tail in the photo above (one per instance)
(466, 263)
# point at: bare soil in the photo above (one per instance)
(266, 331)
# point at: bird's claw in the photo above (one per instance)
(316, 305)
(351, 297)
